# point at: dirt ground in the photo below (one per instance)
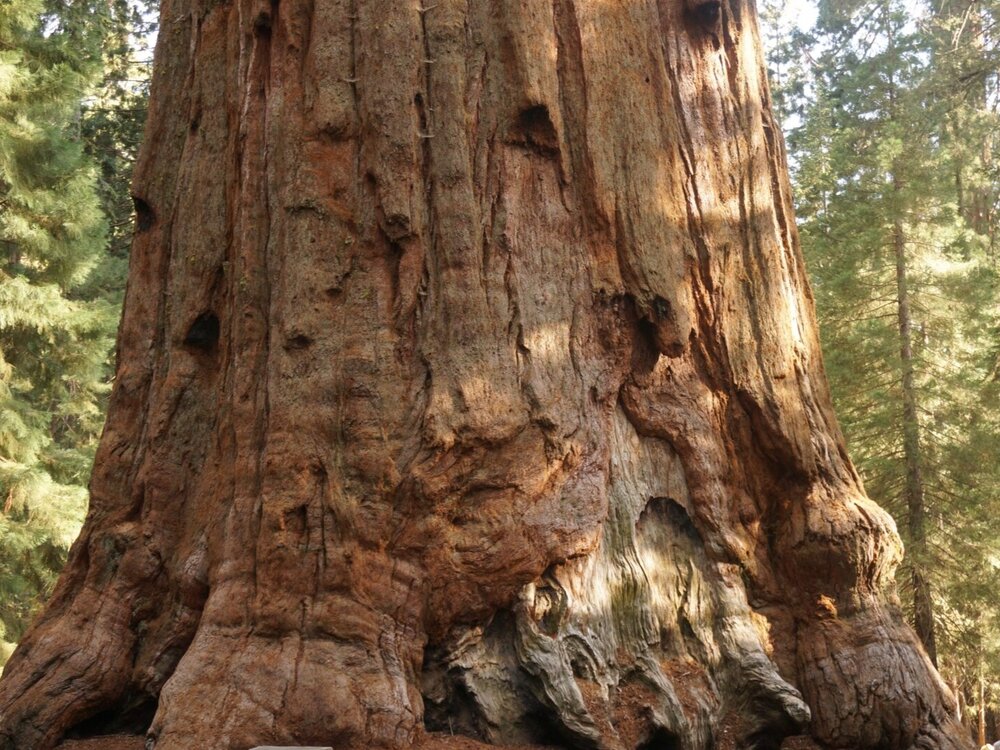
(111, 742)
(429, 742)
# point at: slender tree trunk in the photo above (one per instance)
(469, 379)
(923, 606)
(982, 708)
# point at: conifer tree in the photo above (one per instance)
(965, 78)
(56, 328)
(893, 107)
(113, 118)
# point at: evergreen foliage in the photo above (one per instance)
(891, 108)
(113, 119)
(64, 166)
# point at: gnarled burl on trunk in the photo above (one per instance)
(468, 381)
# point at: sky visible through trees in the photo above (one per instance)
(72, 104)
(891, 110)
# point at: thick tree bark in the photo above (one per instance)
(469, 377)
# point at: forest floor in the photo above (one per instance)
(429, 742)
(111, 742)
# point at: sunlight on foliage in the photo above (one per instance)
(65, 164)
(892, 110)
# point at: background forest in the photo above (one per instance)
(891, 112)
(73, 87)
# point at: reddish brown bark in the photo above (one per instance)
(469, 378)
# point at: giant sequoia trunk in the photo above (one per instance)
(468, 379)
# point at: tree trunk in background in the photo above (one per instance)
(923, 604)
(469, 378)
(981, 723)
